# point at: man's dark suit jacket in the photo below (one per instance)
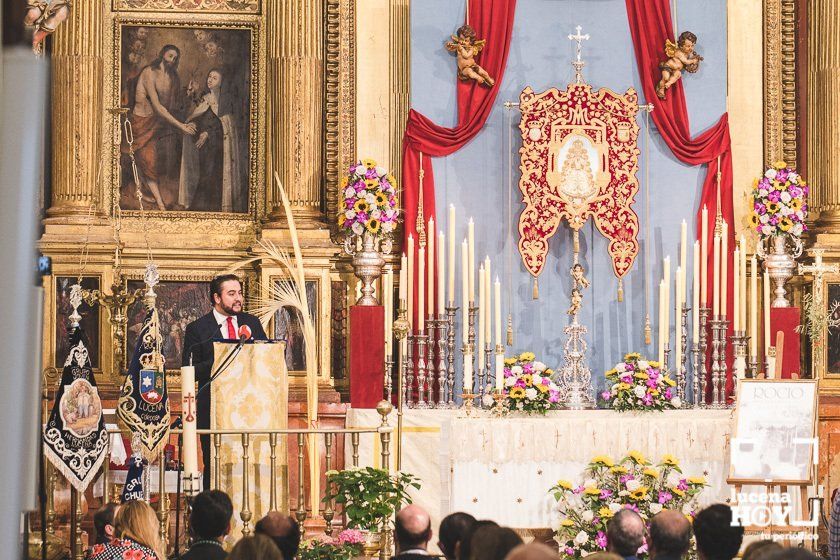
(205, 551)
(410, 556)
(198, 342)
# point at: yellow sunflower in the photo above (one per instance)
(369, 163)
(754, 219)
(371, 184)
(796, 204)
(623, 386)
(670, 460)
(619, 469)
(641, 375)
(781, 186)
(696, 480)
(565, 484)
(638, 458)
(654, 392)
(639, 494)
(611, 373)
(654, 365)
(528, 379)
(542, 388)
(772, 207)
(341, 219)
(605, 513)
(549, 371)
(526, 357)
(603, 460)
(567, 523)
(510, 361)
(373, 225)
(592, 491)
(785, 224)
(390, 179)
(381, 199)
(517, 393)
(651, 472)
(780, 164)
(632, 356)
(361, 205)
(670, 382)
(344, 181)
(678, 492)
(755, 183)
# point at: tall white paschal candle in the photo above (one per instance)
(421, 292)
(465, 293)
(488, 302)
(441, 274)
(716, 279)
(704, 258)
(471, 243)
(736, 290)
(743, 290)
(754, 308)
(724, 270)
(500, 356)
(695, 293)
(410, 284)
(768, 341)
(388, 303)
(451, 291)
(678, 318)
(666, 279)
(189, 451)
(662, 313)
(482, 317)
(430, 269)
(403, 272)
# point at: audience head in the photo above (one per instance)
(536, 551)
(716, 538)
(211, 514)
(603, 555)
(283, 530)
(413, 528)
(258, 547)
(792, 553)
(493, 543)
(466, 540)
(452, 530)
(670, 534)
(625, 533)
(762, 550)
(136, 520)
(103, 522)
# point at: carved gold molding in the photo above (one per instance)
(780, 113)
(205, 6)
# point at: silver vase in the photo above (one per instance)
(780, 253)
(367, 264)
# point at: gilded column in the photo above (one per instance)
(77, 111)
(295, 106)
(823, 108)
(399, 65)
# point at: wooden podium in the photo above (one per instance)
(250, 394)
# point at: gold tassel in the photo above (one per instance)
(620, 290)
(536, 293)
(510, 330)
(648, 334)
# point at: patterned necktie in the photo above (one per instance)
(231, 331)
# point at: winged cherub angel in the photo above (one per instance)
(46, 16)
(466, 47)
(680, 57)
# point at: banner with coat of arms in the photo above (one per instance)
(75, 438)
(144, 402)
(578, 160)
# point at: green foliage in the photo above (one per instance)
(321, 550)
(370, 496)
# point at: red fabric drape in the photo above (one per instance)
(493, 21)
(650, 25)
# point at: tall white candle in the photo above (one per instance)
(767, 340)
(410, 285)
(465, 293)
(497, 290)
(403, 272)
(743, 290)
(724, 266)
(189, 453)
(666, 277)
(387, 297)
(482, 317)
(716, 278)
(704, 258)
(662, 313)
(695, 293)
(754, 307)
(441, 274)
(683, 246)
(471, 243)
(421, 292)
(736, 290)
(430, 269)
(451, 263)
(488, 302)
(677, 318)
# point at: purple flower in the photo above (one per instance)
(760, 208)
(774, 220)
(634, 507)
(668, 394)
(578, 490)
(570, 551)
(605, 395)
(596, 521)
(683, 484)
(647, 399)
(624, 478)
(764, 183)
(554, 396)
(664, 497)
(520, 383)
(651, 382)
(349, 203)
(795, 191)
(546, 381)
(528, 368)
(371, 174)
(774, 196)
(605, 494)
(782, 175)
(806, 189)
(642, 550)
(601, 540)
(508, 373)
(626, 378)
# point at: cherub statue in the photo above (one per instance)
(681, 57)
(46, 16)
(577, 299)
(577, 274)
(466, 47)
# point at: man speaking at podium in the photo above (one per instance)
(226, 321)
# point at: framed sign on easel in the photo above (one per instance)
(774, 456)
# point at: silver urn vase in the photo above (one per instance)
(780, 253)
(367, 263)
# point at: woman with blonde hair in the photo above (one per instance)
(135, 535)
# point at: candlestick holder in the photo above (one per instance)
(740, 361)
(389, 369)
(473, 311)
(467, 352)
(666, 358)
(705, 313)
(500, 359)
(770, 363)
(695, 364)
(715, 326)
(441, 324)
(489, 368)
(723, 366)
(752, 367)
(499, 409)
(421, 371)
(467, 399)
(450, 356)
(409, 371)
(431, 370)
(681, 370)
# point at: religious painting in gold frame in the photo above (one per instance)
(578, 160)
(829, 352)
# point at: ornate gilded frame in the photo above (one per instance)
(196, 222)
(829, 382)
(780, 82)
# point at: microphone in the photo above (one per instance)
(244, 333)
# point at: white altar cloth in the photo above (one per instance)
(502, 468)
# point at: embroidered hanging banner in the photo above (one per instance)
(75, 438)
(579, 159)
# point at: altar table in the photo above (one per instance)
(502, 468)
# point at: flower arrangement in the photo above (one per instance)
(779, 206)
(528, 385)
(609, 486)
(370, 200)
(347, 545)
(370, 496)
(638, 384)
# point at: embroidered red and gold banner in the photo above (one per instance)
(579, 159)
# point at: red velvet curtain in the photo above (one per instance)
(650, 26)
(493, 21)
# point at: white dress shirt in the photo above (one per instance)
(222, 321)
